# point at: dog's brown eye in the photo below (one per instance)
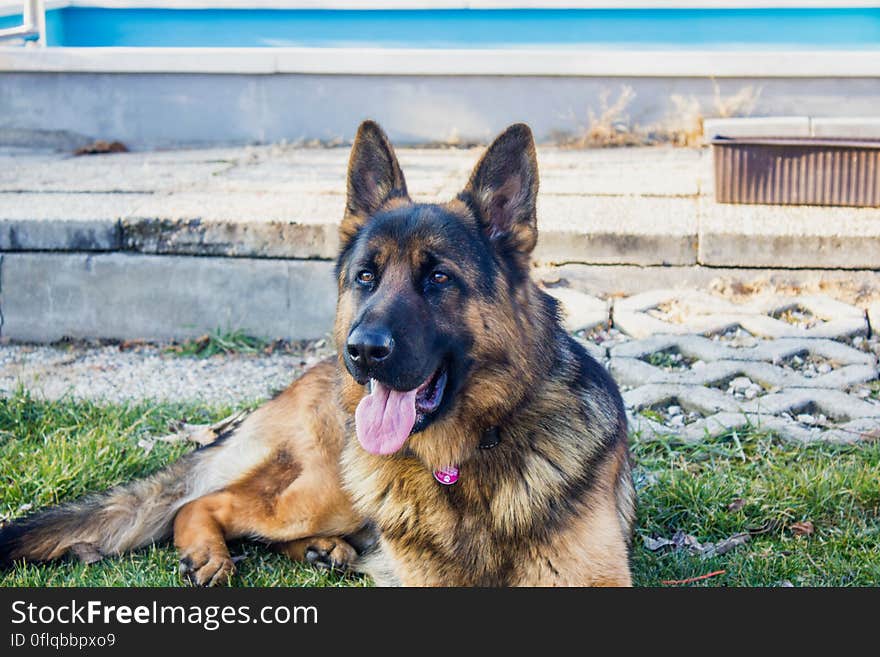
(440, 278)
(366, 277)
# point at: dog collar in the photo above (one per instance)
(449, 475)
(446, 476)
(490, 438)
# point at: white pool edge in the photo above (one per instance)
(13, 6)
(445, 62)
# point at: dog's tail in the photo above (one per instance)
(123, 518)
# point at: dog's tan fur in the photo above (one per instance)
(552, 504)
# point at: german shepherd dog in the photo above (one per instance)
(459, 436)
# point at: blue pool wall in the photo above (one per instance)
(787, 28)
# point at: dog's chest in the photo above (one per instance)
(436, 534)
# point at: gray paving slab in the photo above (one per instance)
(660, 171)
(759, 126)
(279, 224)
(121, 172)
(63, 222)
(836, 404)
(627, 280)
(636, 372)
(725, 422)
(638, 206)
(659, 231)
(706, 401)
(46, 297)
(683, 312)
(873, 313)
(581, 311)
(852, 127)
(771, 351)
(793, 236)
(245, 224)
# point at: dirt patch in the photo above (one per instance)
(741, 290)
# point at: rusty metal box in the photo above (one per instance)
(797, 171)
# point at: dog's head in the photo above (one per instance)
(432, 319)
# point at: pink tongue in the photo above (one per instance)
(384, 419)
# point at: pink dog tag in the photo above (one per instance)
(446, 476)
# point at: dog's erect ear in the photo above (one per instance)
(503, 190)
(374, 177)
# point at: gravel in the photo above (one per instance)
(809, 365)
(742, 387)
(109, 374)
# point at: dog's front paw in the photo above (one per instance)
(207, 566)
(330, 553)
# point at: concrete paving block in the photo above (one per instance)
(860, 429)
(688, 311)
(632, 314)
(324, 171)
(636, 372)
(796, 236)
(116, 172)
(720, 423)
(769, 327)
(757, 126)
(598, 352)
(835, 404)
(690, 302)
(821, 306)
(771, 351)
(247, 224)
(646, 428)
(865, 127)
(830, 349)
(706, 401)
(625, 280)
(46, 297)
(63, 222)
(640, 325)
(662, 171)
(288, 176)
(619, 230)
(689, 345)
(581, 311)
(874, 317)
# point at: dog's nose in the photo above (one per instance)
(369, 346)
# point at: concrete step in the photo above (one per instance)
(104, 246)
(644, 206)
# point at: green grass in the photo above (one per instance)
(51, 452)
(219, 342)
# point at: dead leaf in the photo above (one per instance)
(714, 549)
(131, 345)
(686, 541)
(204, 434)
(86, 552)
(654, 544)
(870, 436)
(736, 505)
(804, 528)
(100, 147)
(682, 541)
